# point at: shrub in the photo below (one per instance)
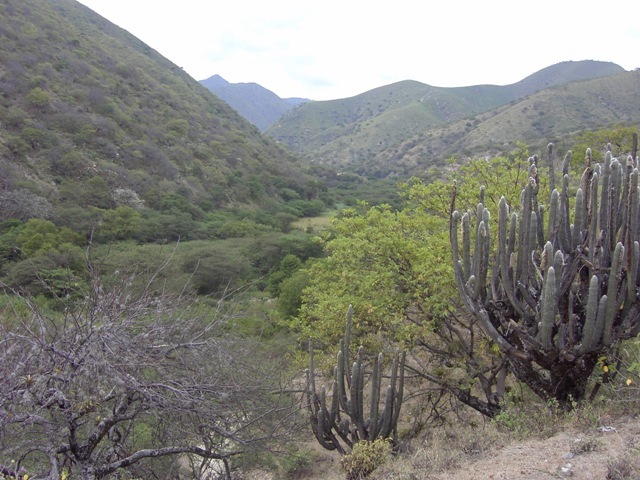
(365, 458)
(297, 464)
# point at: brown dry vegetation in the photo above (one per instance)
(528, 441)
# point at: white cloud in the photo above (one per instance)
(339, 48)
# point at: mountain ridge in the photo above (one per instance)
(348, 132)
(257, 104)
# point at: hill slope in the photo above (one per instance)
(351, 131)
(258, 105)
(84, 103)
(548, 115)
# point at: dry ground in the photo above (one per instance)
(608, 450)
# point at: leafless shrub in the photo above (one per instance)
(123, 377)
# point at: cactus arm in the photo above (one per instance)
(385, 420)
(604, 206)
(503, 255)
(548, 308)
(632, 275)
(592, 217)
(578, 219)
(532, 244)
(612, 292)
(552, 228)
(589, 340)
(466, 247)
(564, 231)
(550, 161)
(347, 342)
(340, 379)
(399, 396)
(376, 378)
(523, 240)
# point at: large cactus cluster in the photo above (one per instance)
(560, 291)
(339, 419)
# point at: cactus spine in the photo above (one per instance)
(561, 294)
(344, 423)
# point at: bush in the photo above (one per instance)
(365, 458)
(297, 464)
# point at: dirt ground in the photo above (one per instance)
(610, 451)
(589, 455)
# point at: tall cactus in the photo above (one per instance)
(343, 423)
(563, 294)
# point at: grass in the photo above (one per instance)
(314, 224)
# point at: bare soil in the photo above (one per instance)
(609, 451)
(590, 455)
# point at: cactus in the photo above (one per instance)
(561, 295)
(344, 424)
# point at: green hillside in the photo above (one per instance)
(350, 132)
(553, 114)
(86, 108)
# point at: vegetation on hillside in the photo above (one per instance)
(88, 111)
(393, 130)
(152, 282)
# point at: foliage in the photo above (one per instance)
(290, 296)
(617, 140)
(286, 268)
(93, 117)
(296, 464)
(22, 205)
(391, 266)
(365, 457)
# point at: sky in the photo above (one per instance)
(331, 49)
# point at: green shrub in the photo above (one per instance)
(365, 458)
(297, 464)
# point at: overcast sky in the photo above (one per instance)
(329, 49)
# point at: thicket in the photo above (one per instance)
(468, 340)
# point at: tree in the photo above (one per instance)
(393, 268)
(120, 379)
(23, 205)
(558, 296)
(119, 224)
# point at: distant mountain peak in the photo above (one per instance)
(215, 81)
(255, 103)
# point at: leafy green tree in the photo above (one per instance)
(119, 224)
(39, 98)
(216, 268)
(290, 297)
(38, 236)
(395, 268)
(619, 138)
(287, 267)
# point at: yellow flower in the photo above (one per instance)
(629, 381)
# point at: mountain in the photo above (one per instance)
(86, 109)
(349, 133)
(550, 115)
(260, 106)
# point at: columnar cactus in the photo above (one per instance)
(558, 297)
(344, 418)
